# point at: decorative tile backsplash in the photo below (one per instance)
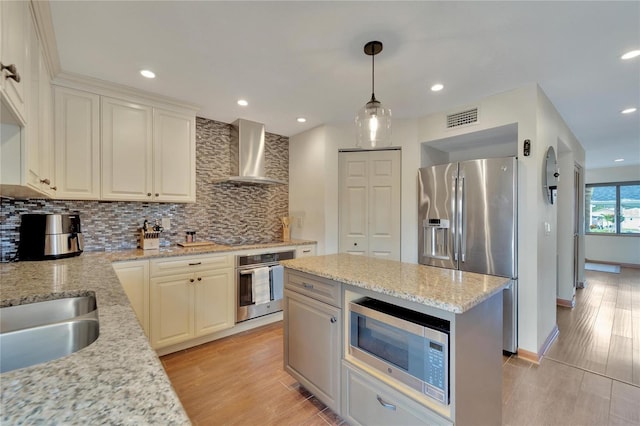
(223, 212)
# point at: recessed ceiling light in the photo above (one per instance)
(301, 120)
(628, 110)
(437, 87)
(148, 73)
(242, 102)
(631, 54)
(618, 160)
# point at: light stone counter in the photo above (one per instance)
(449, 290)
(118, 379)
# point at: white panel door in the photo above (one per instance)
(77, 144)
(369, 203)
(353, 203)
(384, 204)
(174, 153)
(127, 141)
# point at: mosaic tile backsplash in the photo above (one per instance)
(223, 212)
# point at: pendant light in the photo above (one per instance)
(373, 122)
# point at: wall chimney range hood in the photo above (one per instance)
(247, 155)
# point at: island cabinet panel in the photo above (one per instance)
(367, 401)
(312, 344)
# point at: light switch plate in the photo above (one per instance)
(166, 223)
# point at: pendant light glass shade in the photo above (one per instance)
(373, 122)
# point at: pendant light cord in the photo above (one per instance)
(373, 76)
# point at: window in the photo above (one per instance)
(613, 208)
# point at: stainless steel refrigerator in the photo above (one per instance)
(468, 221)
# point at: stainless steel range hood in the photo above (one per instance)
(247, 155)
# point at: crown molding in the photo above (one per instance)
(108, 88)
(41, 13)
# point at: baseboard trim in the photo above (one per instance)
(537, 357)
(566, 303)
(622, 265)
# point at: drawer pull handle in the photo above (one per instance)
(195, 263)
(307, 285)
(306, 251)
(385, 404)
(333, 320)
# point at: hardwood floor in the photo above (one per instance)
(589, 377)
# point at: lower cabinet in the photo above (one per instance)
(189, 305)
(367, 401)
(134, 277)
(312, 351)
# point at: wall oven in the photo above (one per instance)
(409, 346)
(259, 284)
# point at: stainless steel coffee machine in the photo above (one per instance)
(50, 236)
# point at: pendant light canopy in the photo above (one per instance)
(373, 122)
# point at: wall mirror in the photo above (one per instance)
(551, 175)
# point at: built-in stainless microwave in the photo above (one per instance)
(409, 346)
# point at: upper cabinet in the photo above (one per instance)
(26, 141)
(127, 148)
(148, 154)
(15, 18)
(77, 144)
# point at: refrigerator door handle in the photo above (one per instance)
(463, 221)
(456, 222)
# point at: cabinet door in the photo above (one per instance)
(77, 144)
(33, 129)
(126, 151)
(214, 301)
(171, 310)
(46, 130)
(174, 157)
(312, 346)
(15, 19)
(134, 277)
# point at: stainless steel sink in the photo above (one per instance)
(40, 313)
(39, 332)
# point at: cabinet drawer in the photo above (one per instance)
(305, 251)
(186, 264)
(368, 401)
(317, 288)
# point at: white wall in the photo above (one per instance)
(537, 279)
(608, 248)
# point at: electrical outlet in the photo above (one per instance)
(166, 223)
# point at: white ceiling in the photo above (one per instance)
(291, 59)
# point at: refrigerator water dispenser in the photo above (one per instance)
(436, 238)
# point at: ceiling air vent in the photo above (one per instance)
(461, 118)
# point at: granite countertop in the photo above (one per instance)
(450, 290)
(118, 379)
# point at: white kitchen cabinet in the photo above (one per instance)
(77, 144)
(134, 277)
(190, 297)
(26, 147)
(304, 251)
(15, 19)
(369, 402)
(313, 334)
(127, 150)
(174, 157)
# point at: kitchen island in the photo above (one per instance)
(319, 290)
(118, 379)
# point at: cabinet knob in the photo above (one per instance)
(333, 320)
(45, 181)
(55, 188)
(199, 278)
(13, 71)
(355, 244)
(157, 195)
(191, 280)
(148, 194)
